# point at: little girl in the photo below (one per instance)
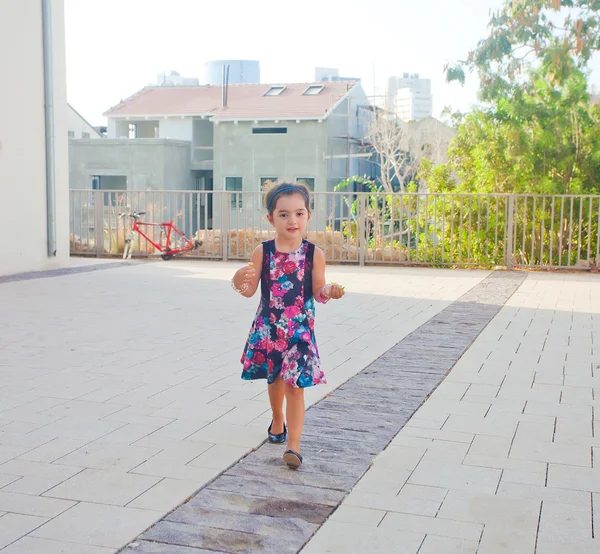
(281, 347)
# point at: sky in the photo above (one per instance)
(116, 47)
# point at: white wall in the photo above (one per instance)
(413, 105)
(23, 236)
(117, 128)
(176, 128)
(79, 126)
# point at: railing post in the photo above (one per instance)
(225, 213)
(362, 228)
(509, 230)
(98, 199)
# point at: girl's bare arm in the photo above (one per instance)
(322, 290)
(250, 274)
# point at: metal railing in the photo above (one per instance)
(469, 230)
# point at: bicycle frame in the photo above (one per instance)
(166, 227)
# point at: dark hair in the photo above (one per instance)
(285, 188)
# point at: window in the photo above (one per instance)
(71, 134)
(275, 90)
(269, 180)
(85, 135)
(269, 130)
(313, 90)
(132, 130)
(308, 181)
(234, 184)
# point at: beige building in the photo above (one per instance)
(205, 138)
(34, 173)
(428, 138)
(79, 127)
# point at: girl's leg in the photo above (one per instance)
(276, 395)
(295, 415)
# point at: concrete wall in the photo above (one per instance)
(23, 235)
(203, 131)
(177, 173)
(148, 164)
(299, 153)
(240, 153)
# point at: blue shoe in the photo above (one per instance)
(277, 439)
(293, 459)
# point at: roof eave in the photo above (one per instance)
(157, 116)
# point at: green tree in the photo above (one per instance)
(558, 35)
(535, 129)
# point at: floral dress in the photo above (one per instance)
(282, 337)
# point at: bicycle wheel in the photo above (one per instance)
(167, 256)
(125, 249)
(128, 247)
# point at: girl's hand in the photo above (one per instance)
(333, 291)
(245, 274)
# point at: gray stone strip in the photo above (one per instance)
(63, 271)
(259, 505)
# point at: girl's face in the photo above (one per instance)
(290, 216)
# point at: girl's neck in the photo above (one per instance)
(287, 246)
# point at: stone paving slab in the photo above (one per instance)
(135, 372)
(352, 443)
(485, 448)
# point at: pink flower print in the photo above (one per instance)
(305, 336)
(278, 290)
(261, 344)
(277, 303)
(280, 345)
(291, 311)
(289, 267)
(272, 318)
(280, 333)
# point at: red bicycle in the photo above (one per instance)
(167, 230)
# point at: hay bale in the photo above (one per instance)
(77, 244)
(395, 254)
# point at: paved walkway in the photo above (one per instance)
(120, 393)
(503, 458)
(120, 397)
(258, 505)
